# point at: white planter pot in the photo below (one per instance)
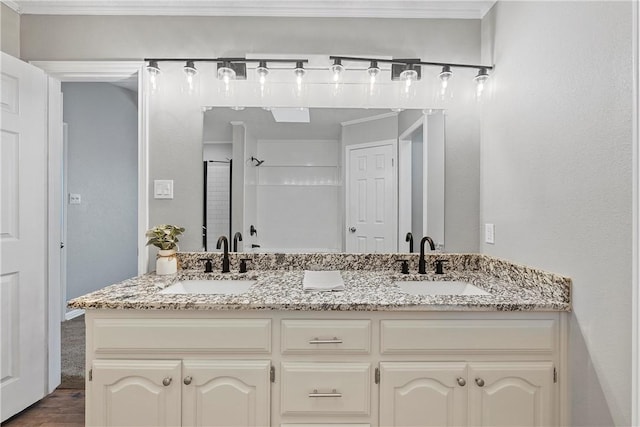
(166, 262)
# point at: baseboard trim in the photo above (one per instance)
(73, 314)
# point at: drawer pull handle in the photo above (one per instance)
(166, 381)
(335, 340)
(333, 393)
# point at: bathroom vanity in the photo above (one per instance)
(371, 355)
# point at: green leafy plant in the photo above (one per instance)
(164, 236)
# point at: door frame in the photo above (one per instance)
(87, 71)
(112, 71)
(347, 152)
(404, 179)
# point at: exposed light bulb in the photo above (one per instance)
(336, 69)
(154, 72)
(262, 71)
(190, 72)
(373, 72)
(299, 73)
(226, 73)
(444, 76)
(409, 75)
(480, 80)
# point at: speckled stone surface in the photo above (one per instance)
(369, 285)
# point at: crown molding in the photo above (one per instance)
(404, 9)
(12, 5)
(87, 71)
(369, 119)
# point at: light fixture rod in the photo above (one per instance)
(410, 61)
(225, 60)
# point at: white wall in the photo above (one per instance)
(435, 161)
(298, 203)
(175, 129)
(556, 176)
(9, 31)
(103, 168)
(251, 207)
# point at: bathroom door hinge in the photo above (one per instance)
(90, 374)
(272, 374)
(555, 375)
(376, 376)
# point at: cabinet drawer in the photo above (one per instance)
(423, 336)
(310, 388)
(326, 336)
(182, 335)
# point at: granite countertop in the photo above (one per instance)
(511, 288)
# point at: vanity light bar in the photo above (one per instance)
(232, 68)
(407, 70)
(401, 68)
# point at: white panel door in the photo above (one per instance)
(226, 393)
(371, 200)
(23, 235)
(511, 394)
(135, 393)
(423, 394)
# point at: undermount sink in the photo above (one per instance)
(430, 287)
(213, 287)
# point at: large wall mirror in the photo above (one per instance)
(324, 179)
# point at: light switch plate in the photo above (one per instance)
(75, 199)
(163, 189)
(489, 234)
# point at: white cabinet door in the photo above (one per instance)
(423, 394)
(511, 394)
(135, 393)
(226, 393)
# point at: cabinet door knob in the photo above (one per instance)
(461, 381)
(480, 382)
(166, 381)
(352, 229)
(187, 380)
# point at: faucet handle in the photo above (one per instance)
(208, 266)
(243, 264)
(405, 265)
(439, 265)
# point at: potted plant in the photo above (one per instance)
(165, 238)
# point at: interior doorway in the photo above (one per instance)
(100, 202)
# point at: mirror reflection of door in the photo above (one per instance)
(371, 198)
(217, 206)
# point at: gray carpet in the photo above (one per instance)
(73, 353)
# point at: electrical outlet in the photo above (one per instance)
(489, 234)
(74, 199)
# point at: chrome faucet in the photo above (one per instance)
(422, 264)
(236, 237)
(222, 240)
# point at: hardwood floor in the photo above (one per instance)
(62, 408)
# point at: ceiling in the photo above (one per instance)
(425, 9)
(326, 123)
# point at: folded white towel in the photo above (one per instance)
(322, 281)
